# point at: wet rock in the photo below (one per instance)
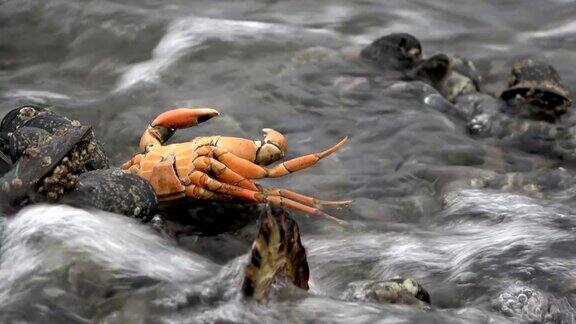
(29, 125)
(467, 69)
(538, 84)
(190, 216)
(314, 55)
(46, 175)
(116, 191)
(451, 76)
(404, 291)
(397, 51)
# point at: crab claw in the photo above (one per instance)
(273, 147)
(163, 127)
(184, 117)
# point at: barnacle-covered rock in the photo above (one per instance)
(49, 171)
(51, 155)
(38, 122)
(277, 252)
(33, 116)
(535, 89)
(116, 191)
(527, 304)
(404, 291)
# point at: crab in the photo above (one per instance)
(220, 168)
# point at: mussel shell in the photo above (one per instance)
(14, 119)
(5, 163)
(24, 138)
(432, 70)
(99, 159)
(390, 51)
(34, 116)
(18, 185)
(48, 121)
(115, 191)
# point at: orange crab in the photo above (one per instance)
(220, 168)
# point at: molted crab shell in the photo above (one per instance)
(277, 253)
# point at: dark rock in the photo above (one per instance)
(115, 191)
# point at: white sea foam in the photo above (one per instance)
(508, 234)
(34, 95)
(41, 239)
(187, 34)
(565, 29)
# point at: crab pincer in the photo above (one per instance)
(164, 126)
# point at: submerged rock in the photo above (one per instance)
(403, 291)
(452, 76)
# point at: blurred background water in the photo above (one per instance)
(420, 207)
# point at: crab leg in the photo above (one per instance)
(201, 193)
(223, 173)
(226, 175)
(203, 180)
(134, 162)
(251, 170)
(303, 199)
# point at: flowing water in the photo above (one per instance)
(485, 253)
